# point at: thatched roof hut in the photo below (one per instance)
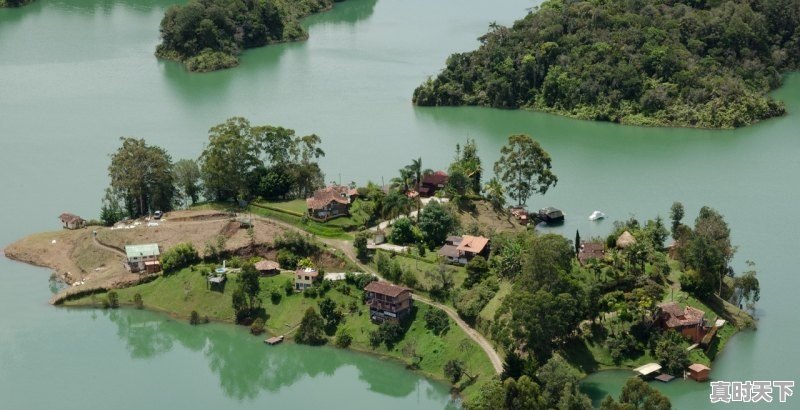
(625, 240)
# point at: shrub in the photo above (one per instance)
(408, 279)
(310, 292)
(453, 369)
(287, 259)
(296, 243)
(311, 328)
(343, 338)
(194, 318)
(470, 303)
(275, 296)
(137, 301)
(113, 299)
(257, 327)
(436, 321)
(178, 257)
(288, 287)
(403, 232)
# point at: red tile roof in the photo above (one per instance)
(437, 178)
(675, 317)
(323, 197)
(386, 288)
(472, 244)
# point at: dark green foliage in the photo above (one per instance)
(178, 257)
(257, 327)
(436, 223)
(113, 299)
(453, 369)
(637, 394)
(297, 243)
(359, 281)
(648, 62)
(14, 3)
(311, 331)
(708, 251)
(137, 301)
(469, 303)
(621, 345)
(330, 312)
(209, 34)
(403, 232)
(436, 321)
(515, 366)
(388, 333)
(360, 243)
(141, 178)
(477, 270)
(343, 338)
(275, 296)
(288, 288)
(194, 318)
(671, 353)
(525, 168)
(287, 259)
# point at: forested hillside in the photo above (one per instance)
(14, 3)
(209, 35)
(697, 63)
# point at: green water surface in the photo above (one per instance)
(77, 74)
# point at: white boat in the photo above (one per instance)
(596, 215)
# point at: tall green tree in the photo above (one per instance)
(525, 167)
(311, 330)
(187, 180)
(228, 161)
(142, 176)
(495, 193)
(436, 223)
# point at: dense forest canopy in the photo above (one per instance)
(14, 3)
(209, 34)
(698, 63)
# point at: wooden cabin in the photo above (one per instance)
(388, 302)
(699, 372)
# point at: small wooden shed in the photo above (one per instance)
(268, 268)
(699, 372)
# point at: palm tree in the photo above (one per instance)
(495, 193)
(404, 180)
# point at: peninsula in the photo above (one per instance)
(466, 289)
(706, 64)
(208, 35)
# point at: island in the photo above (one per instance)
(706, 64)
(208, 35)
(434, 269)
(14, 3)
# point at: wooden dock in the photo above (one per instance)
(272, 341)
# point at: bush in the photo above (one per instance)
(343, 338)
(296, 243)
(453, 369)
(288, 287)
(210, 60)
(470, 303)
(287, 259)
(311, 329)
(408, 279)
(178, 257)
(113, 299)
(403, 232)
(621, 345)
(391, 333)
(436, 321)
(137, 301)
(275, 296)
(194, 318)
(257, 327)
(310, 292)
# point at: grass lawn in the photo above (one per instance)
(181, 293)
(420, 267)
(326, 230)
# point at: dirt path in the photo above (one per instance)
(107, 247)
(350, 252)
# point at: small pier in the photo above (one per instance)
(272, 341)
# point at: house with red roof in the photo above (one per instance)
(388, 302)
(331, 202)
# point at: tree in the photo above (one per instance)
(436, 321)
(111, 210)
(671, 353)
(142, 177)
(676, 215)
(477, 269)
(403, 232)
(311, 329)
(436, 223)
(360, 243)
(495, 193)
(453, 370)
(229, 160)
(250, 285)
(640, 395)
(525, 168)
(470, 164)
(442, 281)
(179, 256)
(329, 311)
(187, 180)
(515, 366)
(577, 242)
(749, 288)
(343, 338)
(548, 260)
